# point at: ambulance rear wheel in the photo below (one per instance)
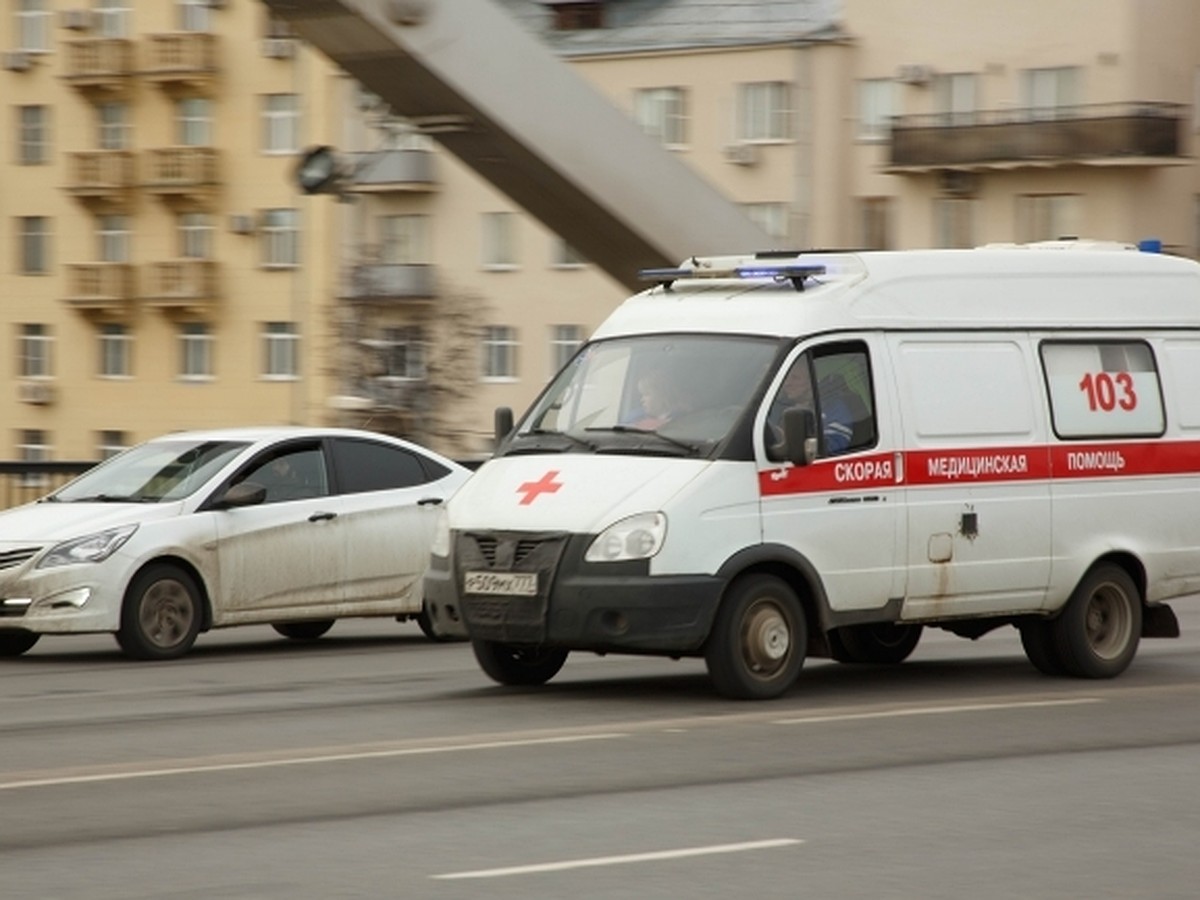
(518, 664)
(1097, 633)
(1038, 641)
(883, 643)
(758, 640)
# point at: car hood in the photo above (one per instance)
(46, 522)
(568, 492)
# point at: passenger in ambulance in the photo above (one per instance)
(837, 418)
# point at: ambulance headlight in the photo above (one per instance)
(637, 537)
(441, 535)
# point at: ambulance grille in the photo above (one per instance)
(487, 547)
(10, 558)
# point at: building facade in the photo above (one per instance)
(162, 271)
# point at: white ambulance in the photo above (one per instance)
(766, 457)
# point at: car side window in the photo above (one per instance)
(363, 466)
(294, 474)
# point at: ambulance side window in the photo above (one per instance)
(1102, 389)
(842, 400)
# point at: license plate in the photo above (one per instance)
(521, 584)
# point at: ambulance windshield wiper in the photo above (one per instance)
(550, 432)
(633, 429)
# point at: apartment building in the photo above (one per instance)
(162, 271)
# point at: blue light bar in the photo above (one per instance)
(784, 271)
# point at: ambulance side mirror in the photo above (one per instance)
(502, 423)
(800, 436)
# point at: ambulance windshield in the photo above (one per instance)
(674, 394)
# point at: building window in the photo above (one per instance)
(876, 106)
(770, 217)
(113, 239)
(499, 240)
(110, 443)
(115, 343)
(764, 111)
(954, 97)
(874, 223)
(499, 353)
(33, 25)
(280, 350)
(1050, 93)
(193, 122)
(281, 123)
(195, 351)
(280, 238)
(195, 235)
(578, 15)
(403, 353)
(33, 446)
(1047, 217)
(954, 222)
(662, 114)
(564, 341)
(33, 147)
(404, 240)
(194, 15)
(35, 245)
(33, 351)
(564, 256)
(114, 128)
(113, 18)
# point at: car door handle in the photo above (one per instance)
(430, 501)
(322, 516)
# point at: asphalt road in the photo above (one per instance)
(375, 764)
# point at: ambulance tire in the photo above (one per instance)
(14, 642)
(757, 643)
(1037, 639)
(880, 644)
(1098, 631)
(518, 664)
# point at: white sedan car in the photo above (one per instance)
(295, 527)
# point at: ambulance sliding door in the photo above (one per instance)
(976, 470)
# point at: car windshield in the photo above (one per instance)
(677, 394)
(151, 473)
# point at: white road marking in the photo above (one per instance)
(936, 710)
(622, 860)
(185, 768)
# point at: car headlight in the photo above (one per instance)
(637, 537)
(441, 535)
(91, 548)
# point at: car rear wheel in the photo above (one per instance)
(518, 664)
(14, 642)
(882, 643)
(303, 631)
(1098, 631)
(758, 640)
(160, 617)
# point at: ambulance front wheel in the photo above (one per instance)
(758, 640)
(518, 664)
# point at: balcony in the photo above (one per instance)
(100, 286)
(101, 175)
(386, 171)
(1141, 134)
(182, 284)
(182, 59)
(182, 172)
(99, 64)
(387, 282)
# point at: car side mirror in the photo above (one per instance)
(244, 493)
(800, 436)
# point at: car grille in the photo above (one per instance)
(10, 558)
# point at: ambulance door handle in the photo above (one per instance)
(430, 501)
(322, 516)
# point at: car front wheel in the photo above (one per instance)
(160, 617)
(14, 642)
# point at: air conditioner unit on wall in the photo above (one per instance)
(914, 74)
(278, 48)
(77, 19)
(39, 392)
(16, 61)
(241, 223)
(741, 154)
